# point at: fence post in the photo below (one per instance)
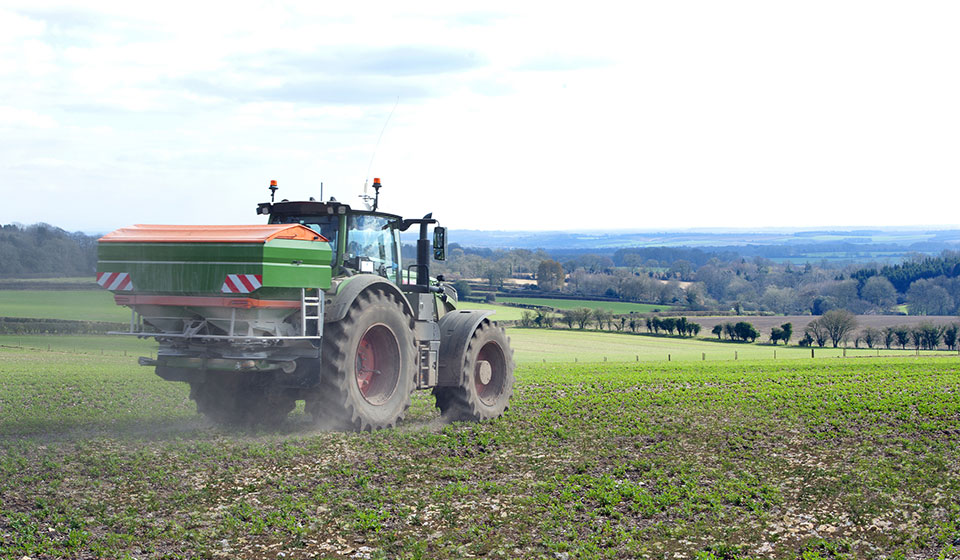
(811, 352)
(736, 355)
(703, 356)
(604, 358)
(844, 352)
(774, 353)
(668, 357)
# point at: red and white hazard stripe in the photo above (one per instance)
(241, 283)
(115, 281)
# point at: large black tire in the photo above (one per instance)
(242, 400)
(368, 366)
(486, 378)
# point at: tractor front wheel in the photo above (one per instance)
(485, 383)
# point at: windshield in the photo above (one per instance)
(372, 238)
(327, 226)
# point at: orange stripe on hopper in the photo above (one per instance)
(147, 233)
(204, 301)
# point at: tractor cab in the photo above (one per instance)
(360, 241)
(363, 241)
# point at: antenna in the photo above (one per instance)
(374, 155)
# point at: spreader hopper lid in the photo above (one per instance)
(151, 233)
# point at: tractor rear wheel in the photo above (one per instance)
(486, 378)
(368, 366)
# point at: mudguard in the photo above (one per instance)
(337, 306)
(456, 328)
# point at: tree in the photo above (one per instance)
(526, 318)
(916, 335)
(463, 289)
(838, 323)
(817, 332)
(550, 275)
(745, 331)
(495, 275)
(888, 337)
(776, 334)
(878, 291)
(871, 336)
(729, 331)
(602, 317)
(582, 316)
(717, 330)
(951, 334)
(787, 333)
(930, 335)
(926, 297)
(903, 336)
(567, 316)
(669, 324)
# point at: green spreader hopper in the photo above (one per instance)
(217, 282)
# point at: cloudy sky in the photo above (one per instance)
(515, 115)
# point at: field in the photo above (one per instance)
(79, 305)
(608, 451)
(815, 459)
(562, 346)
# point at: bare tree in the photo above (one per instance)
(817, 332)
(838, 323)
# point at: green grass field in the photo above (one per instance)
(79, 305)
(816, 459)
(57, 280)
(614, 306)
(559, 346)
(819, 459)
(502, 312)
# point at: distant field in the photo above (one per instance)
(553, 346)
(78, 305)
(69, 280)
(503, 312)
(614, 306)
(111, 345)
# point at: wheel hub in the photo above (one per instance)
(377, 364)
(490, 373)
(484, 371)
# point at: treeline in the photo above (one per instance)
(722, 281)
(42, 249)
(603, 319)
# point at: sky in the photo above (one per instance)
(495, 116)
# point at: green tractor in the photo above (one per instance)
(316, 305)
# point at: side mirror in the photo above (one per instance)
(439, 243)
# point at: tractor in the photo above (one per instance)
(315, 305)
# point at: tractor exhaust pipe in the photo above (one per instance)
(423, 253)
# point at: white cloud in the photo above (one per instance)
(524, 116)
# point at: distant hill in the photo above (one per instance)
(884, 245)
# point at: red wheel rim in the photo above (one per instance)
(378, 364)
(490, 383)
